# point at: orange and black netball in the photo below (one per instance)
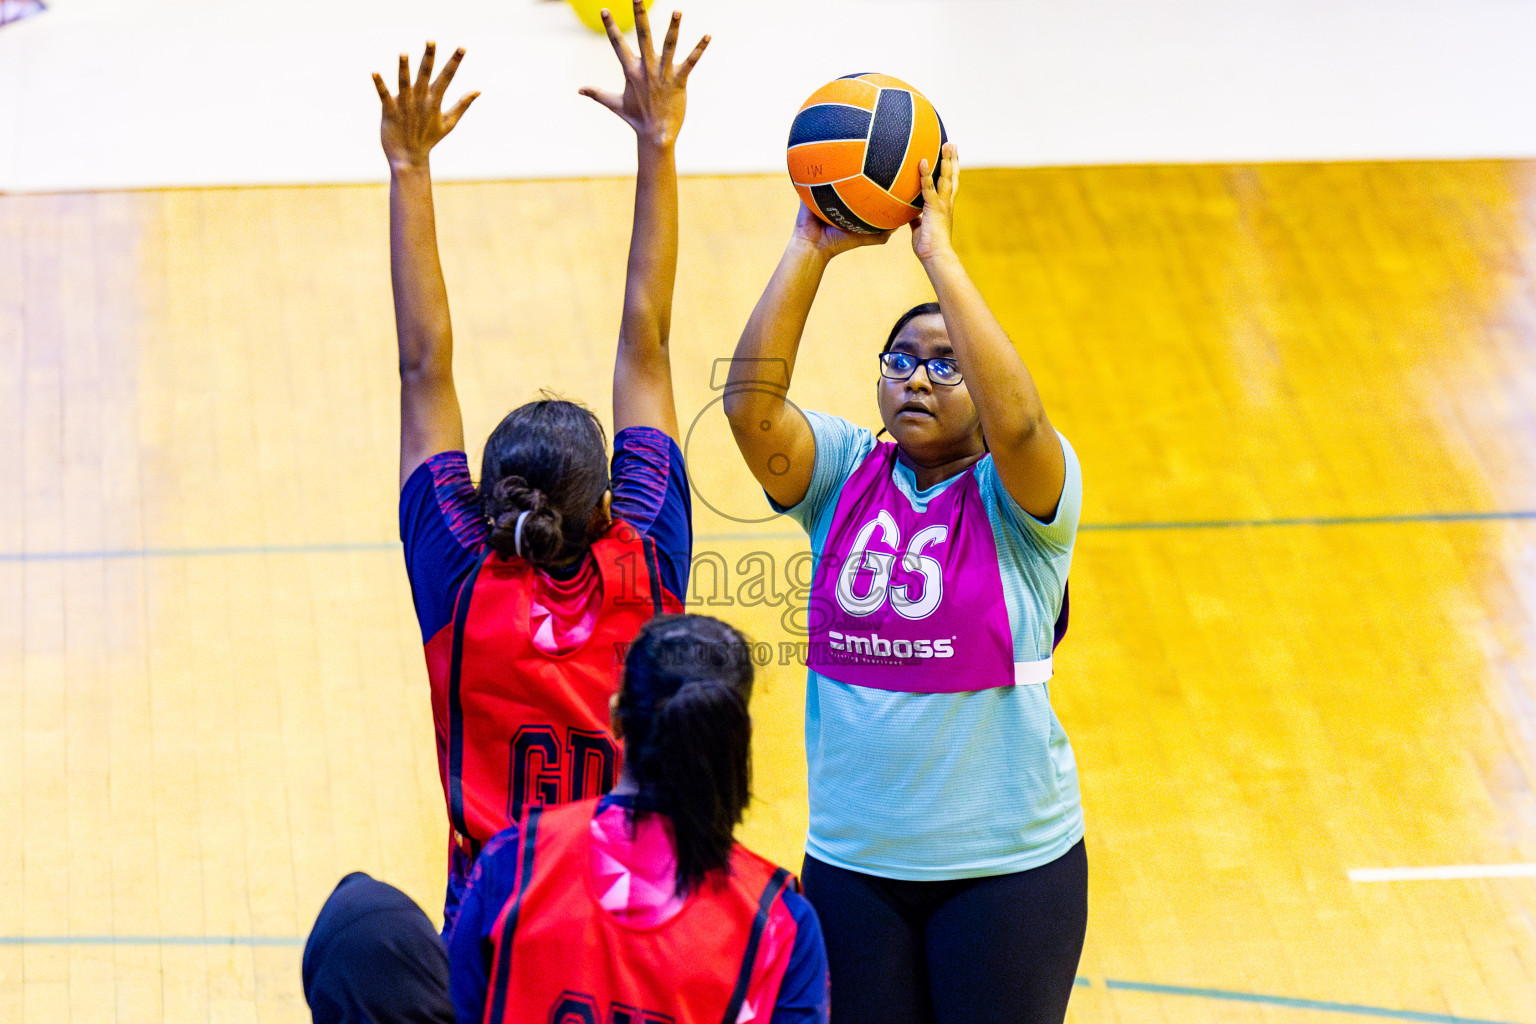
(854, 148)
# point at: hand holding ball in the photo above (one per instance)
(590, 13)
(854, 148)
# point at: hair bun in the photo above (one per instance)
(549, 455)
(542, 538)
(514, 494)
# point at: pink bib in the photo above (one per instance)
(912, 601)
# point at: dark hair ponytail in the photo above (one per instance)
(688, 735)
(550, 459)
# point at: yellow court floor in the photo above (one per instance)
(1303, 638)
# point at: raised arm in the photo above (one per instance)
(774, 439)
(1024, 445)
(652, 104)
(413, 122)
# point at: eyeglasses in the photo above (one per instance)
(902, 365)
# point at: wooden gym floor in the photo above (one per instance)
(1303, 599)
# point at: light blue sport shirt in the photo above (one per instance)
(932, 786)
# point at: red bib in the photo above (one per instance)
(527, 728)
(559, 957)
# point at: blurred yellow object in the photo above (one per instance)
(590, 13)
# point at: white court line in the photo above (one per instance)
(1441, 873)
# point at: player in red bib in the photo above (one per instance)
(524, 584)
(639, 907)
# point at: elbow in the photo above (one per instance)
(743, 405)
(734, 403)
(756, 391)
(417, 373)
(643, 339)
(412, 371)
(425, 348)
(1033, 426)
(746, 431)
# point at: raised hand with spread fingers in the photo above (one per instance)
(655, 91)
(412, 123)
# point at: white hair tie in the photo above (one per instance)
(517, 534)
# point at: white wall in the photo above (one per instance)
(98, 94)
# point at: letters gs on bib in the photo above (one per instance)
(864, 582)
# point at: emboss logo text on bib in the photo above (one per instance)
(877, 646)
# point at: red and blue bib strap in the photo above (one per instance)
(456, 712)
(503, 969)
(653, 570)
(771, 891)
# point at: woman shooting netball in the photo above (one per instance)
(945, 855)
(524, 584)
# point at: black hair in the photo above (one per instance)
(687, 735)
(548, 458)
(921, 309)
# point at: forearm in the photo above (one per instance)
(765, 356)
(642, 370)
(1000, 384)
(421, 297)
(652, 269)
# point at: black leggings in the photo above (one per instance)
(996, 950)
